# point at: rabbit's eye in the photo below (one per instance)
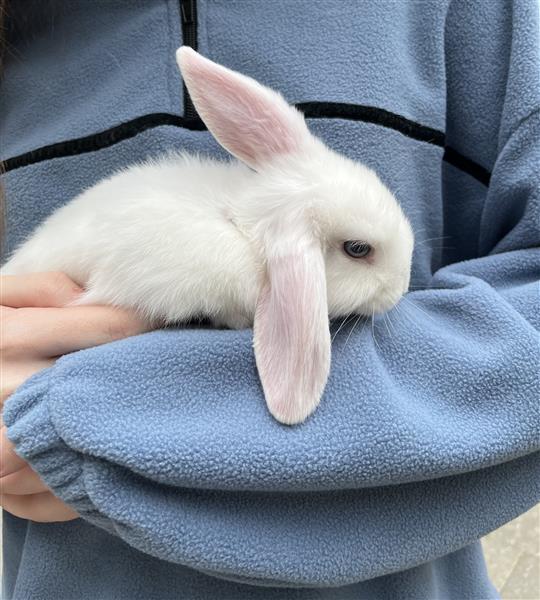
(357, 248)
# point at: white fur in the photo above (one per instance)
(185, 237)
(158, 237)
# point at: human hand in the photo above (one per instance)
(36, 327)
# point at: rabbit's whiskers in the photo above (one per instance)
(353, 328)
(341, 326)
(418, 308)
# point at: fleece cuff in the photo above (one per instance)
(30, 427)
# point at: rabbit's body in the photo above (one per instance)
(161, 237)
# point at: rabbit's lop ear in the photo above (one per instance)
(291, 333)
(251, 121)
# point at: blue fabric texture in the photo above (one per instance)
(428, 434)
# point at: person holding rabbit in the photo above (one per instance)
(144, 461)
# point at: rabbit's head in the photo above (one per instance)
(334, 240)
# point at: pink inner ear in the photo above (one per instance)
(251, 121)
(292, 338)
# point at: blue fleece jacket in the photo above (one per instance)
(428, 433)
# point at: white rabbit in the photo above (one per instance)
(294, 235)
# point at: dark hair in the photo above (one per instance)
(3, 27)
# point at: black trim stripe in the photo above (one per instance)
(312, 110)
(372, 114)
(385, 118)
(103, 139)
(454, 158)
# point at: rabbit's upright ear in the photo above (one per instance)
(251, 121)
(291, 332)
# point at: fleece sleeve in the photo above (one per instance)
(426, 439)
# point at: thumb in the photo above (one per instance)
(46, 290)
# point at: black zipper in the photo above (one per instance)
(188, 14)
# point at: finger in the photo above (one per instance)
(42, 508)
(15, 373)
(46, 332)
(10, 462)
(16, 475)
(38, 289)
(23, 482)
